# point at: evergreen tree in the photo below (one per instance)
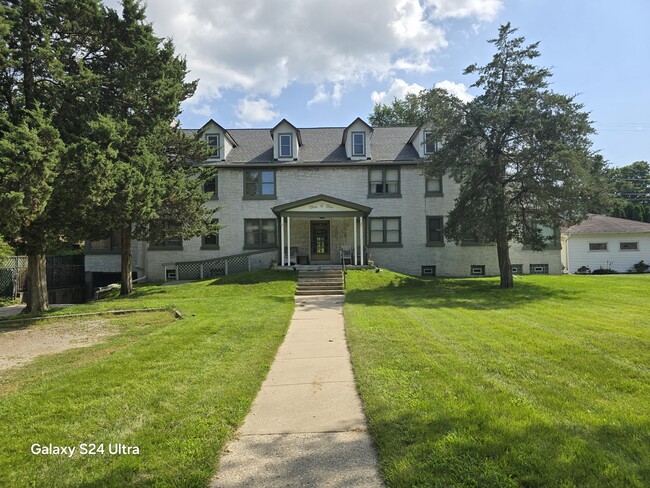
(520, 152)
(154, 186)
(43, 80)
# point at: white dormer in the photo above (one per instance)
(286, 141)
(218, 138)
(356, 139)
(423, 141)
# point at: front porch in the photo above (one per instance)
(321, 230)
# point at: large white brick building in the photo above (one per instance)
(302, 195)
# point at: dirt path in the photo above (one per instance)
(21, 346)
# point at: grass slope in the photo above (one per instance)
(177, 389)
(465, 384)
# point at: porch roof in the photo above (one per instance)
(321, 206)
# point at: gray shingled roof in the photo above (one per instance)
(321, 145)
(601, 224)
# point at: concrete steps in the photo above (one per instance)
(324, 282)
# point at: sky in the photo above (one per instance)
(322, 63)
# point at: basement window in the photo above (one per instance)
(539, 269)
(428, 270)
(518, 269)
(477, 270)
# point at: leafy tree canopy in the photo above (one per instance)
(631, 187)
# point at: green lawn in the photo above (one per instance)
(177, 389)
(465, 384)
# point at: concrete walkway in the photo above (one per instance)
(11, 310)
(306, 426)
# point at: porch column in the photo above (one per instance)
(361, 237)
(281, 240)
(288, 241)
(354, 227)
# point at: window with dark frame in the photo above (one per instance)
(434, 186)
(214, 142)
(430, 144)
(211, 241)
(434, 230)
(518, 269)
(383, 182)
(385, 230)
(112, 244)
(175, 243)
(358, 144)
(259, 183)
(285, 149)
(260, 233)
(211, 186)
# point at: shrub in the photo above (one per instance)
(640, 267)
(583, 270)
(602, 271)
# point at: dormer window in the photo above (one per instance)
(357, 139)
(430, 144)
(358, 144)
(214, 142)
(285, 146)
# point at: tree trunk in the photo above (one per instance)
(127, 278)
(37, 290)
(503, 252)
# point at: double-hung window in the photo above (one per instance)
(259, 184)
(434, 231)
(383, 182)
(260, 233)
(285, 146)
(358, 144)
(211, 187)
(214, 142)
(211, 241)
(434, 186)
(385, 231)
(430, 144)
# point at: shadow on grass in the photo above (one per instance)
(467, 293)
(457, 450)
(255, 278)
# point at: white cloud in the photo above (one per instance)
(260, 47)
(483, 10)
(252, 111)
(399, 89)
(203, 109)
(322, 95)
(457, 89)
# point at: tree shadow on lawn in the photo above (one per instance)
(467, 293)
(452, 450)
(255, 278)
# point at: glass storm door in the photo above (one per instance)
(320, 240)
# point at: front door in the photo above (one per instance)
(320, 240)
